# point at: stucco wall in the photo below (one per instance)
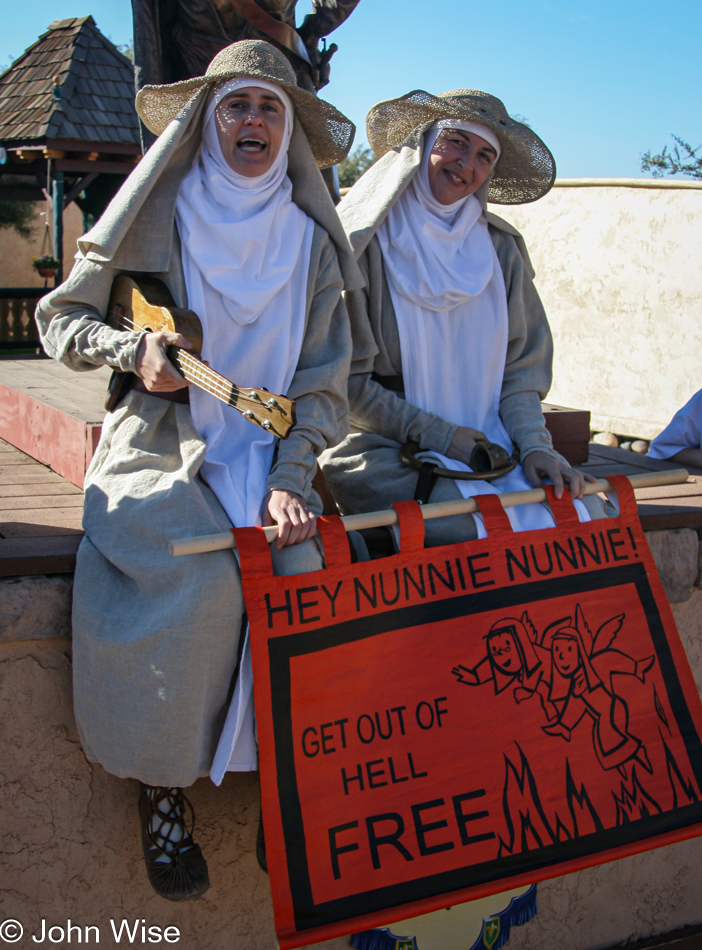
(618, 268)
(69, 832)
(16, 252)
(69, 835)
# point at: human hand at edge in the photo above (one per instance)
(294, 519)
(153, 366)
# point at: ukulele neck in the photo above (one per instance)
(197, 372)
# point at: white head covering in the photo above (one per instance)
(477, 128)
(246, 254)
(242, 235)
(435, 255)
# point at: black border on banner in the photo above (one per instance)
(282, 648)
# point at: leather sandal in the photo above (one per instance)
(165, 834)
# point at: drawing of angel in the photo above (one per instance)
(581, 685)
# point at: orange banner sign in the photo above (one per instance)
(447, 723)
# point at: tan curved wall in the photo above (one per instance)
(618, 268)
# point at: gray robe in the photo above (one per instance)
(157, 639)
(364, 471)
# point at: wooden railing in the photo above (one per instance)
(17, 306)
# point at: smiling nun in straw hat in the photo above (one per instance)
(229, 209)
(451, 342)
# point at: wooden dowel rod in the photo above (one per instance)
(441, 509)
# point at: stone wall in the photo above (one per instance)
(617, 266)
(69, 836)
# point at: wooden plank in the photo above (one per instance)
(29, 476)
(665, 517)
(81, 395)
(64, 517)
(39, 502)
(21, 556)
(605, 455)
(18, 463)
(10, 469)
(45, 433)
(52, 414)
(686, 493)
(40, 517)
(677, 504)
(662, 507)
(78, 165)
(12, 460)
(27, 529)
(92, 438)
(36, 489)
(605, 470)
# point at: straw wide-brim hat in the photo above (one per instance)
(328, 131)
(525, 170)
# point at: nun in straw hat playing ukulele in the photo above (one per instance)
(229, 210)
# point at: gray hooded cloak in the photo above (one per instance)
(157, 639)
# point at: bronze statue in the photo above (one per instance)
(176, 39)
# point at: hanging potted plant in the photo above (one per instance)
(46, 265)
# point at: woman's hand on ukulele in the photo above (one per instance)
(154, 367)
(463, 443)
(294, 519)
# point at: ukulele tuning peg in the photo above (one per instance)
(266, 424)
(248, 414)
(253, 394)
(271, 404)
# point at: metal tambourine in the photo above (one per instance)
(488, 460)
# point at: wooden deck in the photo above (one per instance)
(670, 506)
(40, 511)
(40, 517)
(51, 415)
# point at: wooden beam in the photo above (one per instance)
(79, 186)
(79, 165)
(57, 193)
(41, 555)
(105, 148)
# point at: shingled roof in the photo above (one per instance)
(96, 101)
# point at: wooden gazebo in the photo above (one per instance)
(68, 129)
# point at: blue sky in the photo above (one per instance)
(601, 81)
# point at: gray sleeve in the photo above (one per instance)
(377, 350)
(528, 366)
(71, 321)
(319, 386)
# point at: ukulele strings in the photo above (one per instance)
(200, 374)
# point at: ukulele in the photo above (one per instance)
(145, 303)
